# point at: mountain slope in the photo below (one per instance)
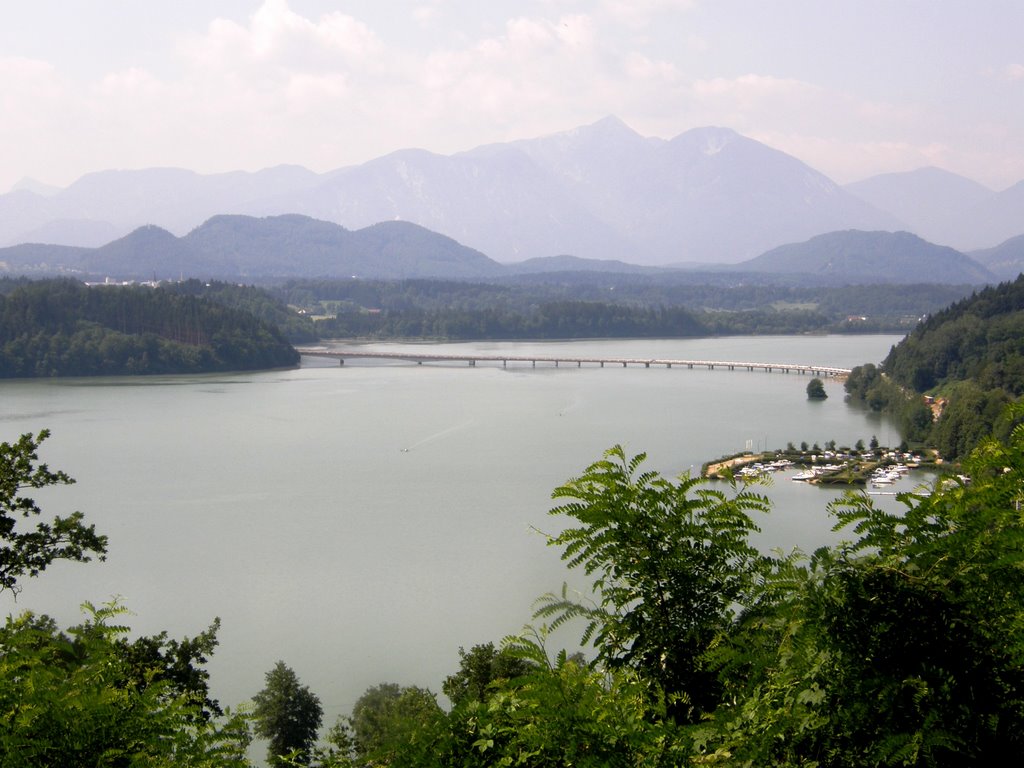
(872, 257)
(1005, 260)
(926, 200)
(945, 208)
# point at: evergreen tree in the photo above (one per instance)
(288, 714)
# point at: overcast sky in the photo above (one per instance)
(852, 87)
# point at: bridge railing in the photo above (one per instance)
(472, 359)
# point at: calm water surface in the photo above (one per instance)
(362, 522)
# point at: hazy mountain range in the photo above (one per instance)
(601, 191)
(708, 196)
(945, 208)
(248, 248)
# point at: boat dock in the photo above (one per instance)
(413, 356)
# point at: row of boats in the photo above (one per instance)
(761, 468)
(886, 474)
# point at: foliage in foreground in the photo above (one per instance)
(77, 698)
(28, 552)
(901, 647)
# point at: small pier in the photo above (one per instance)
(412, 356)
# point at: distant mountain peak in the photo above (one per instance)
(608, 131)
(609, 125)
(707, 140)
(717, 141)
(37, 187)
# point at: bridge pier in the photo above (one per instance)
(472, 363)
(341, 361)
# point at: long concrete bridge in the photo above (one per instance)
(419, 358)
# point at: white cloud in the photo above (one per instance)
(638, 14)
(333, 89)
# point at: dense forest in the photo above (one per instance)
(61, 328)
(968, 357)
(902, 647)
(64, 328)
(576, 305)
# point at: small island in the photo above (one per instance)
(816, 389)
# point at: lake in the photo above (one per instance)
(363, 522)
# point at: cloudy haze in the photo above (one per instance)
(852, 88)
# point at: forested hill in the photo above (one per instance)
(970, 356)
(64, 328)
(980, 338)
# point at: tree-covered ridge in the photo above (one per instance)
(980, 338)
(254, 301)
(594, 306)
(64, 328)
(696, 291)
(968, 357)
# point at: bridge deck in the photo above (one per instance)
(427, 357)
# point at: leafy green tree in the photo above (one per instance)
(29, 552)
(73, 699)
(387, 718)
(560, 713)
(178, 662)
(671, 560)
(479, 669)
(288, 714)
(903, 647)
(816, 389)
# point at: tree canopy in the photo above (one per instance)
(288, 714)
